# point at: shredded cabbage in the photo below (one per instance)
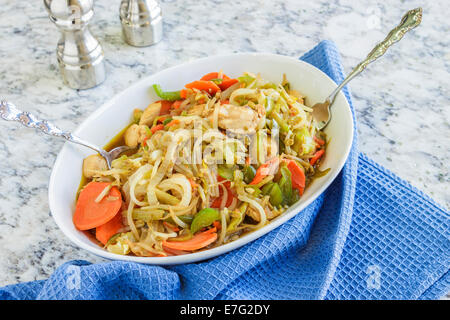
(187, 162)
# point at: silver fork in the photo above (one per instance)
(321, 111)
(9, 112)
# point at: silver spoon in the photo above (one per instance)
(321, 111)
(9, 112)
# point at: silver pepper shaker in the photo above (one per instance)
(80, 56)
(141, 22)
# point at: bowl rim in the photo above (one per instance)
(213, 252)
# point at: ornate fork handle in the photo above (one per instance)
(409, 21)
(9, 112)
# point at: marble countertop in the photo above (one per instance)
(402, 101)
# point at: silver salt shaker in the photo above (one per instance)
(80, 56)
(141, 22)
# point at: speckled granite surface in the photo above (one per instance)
(402, 101)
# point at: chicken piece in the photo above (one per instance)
(196, 110)
(92, 164)
(135, 134)
(150, 114)
(236, 118)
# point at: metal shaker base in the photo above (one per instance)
(138, 36)
(84, 76)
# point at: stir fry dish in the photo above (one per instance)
(209, 163)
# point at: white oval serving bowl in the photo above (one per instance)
(116, 114)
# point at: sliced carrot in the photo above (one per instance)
(226, 101)
(177, 104)
(227, 83)
(202, 85)
(183, 93)
(316, 156)
(171, 226)
(174, 252)
(144, 142)
(218, 201)
(165, 107)
(173, 123)
(162, 118)
(104, 232)
(200, 240)
(157, 128)
(227, 183)
(217, 225)
(319, 141)
(90, 214)
(214, 75)
(268, 168)
(193, 183)
(297, 176)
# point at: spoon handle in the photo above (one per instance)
(409, 21)
(9, 112)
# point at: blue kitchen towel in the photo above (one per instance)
(369, 236)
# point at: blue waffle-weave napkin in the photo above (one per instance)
(369, 236)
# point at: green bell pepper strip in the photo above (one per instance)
(226, 172)
(166, 121)
(285, 184)
(276, 196)
(249, 173)
(267, 188)
(186, 218)
(167, 95)
(204, 218)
